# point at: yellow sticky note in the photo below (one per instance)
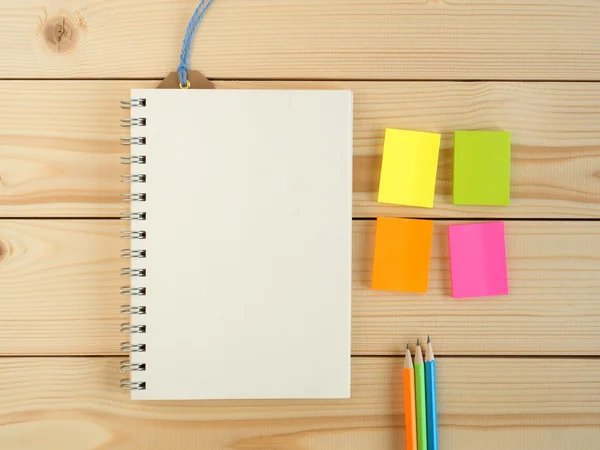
(409, 167)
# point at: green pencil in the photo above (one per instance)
(421, 402)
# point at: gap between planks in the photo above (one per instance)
(357, 356)
(367, 219)
(319, 80)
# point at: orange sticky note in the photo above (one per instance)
(402, 254)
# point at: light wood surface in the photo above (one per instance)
(60, 287)
(341, 39)
(59, 149)
(61, 293)
(72, 403)
(531, 68)
(552, 309)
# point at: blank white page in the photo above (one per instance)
(249, 216)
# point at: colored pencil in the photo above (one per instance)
(409, 402)
(430, 388)
(421, 400)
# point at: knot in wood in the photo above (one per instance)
(5, 250)
(60, 34)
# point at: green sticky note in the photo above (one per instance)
(481, 168)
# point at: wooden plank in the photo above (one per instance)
(60, 286)
(59, 143)
(492, 403)
(412, 39)
(554, 281)
(59, 149)
(61, 280)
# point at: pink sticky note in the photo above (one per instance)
(478, 260)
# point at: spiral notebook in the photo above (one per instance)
(240, 244)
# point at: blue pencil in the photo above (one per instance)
(430, 393)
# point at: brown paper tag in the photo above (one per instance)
(196, 79)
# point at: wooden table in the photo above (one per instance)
(516, 372)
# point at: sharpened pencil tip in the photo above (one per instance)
(407, 347)
(418, 343)
(428, 339)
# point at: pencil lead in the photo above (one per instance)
(428, 339)
(407, 347)
(418, 344)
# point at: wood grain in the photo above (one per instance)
(60, 286)
(59, 157)
(59, 143)
(341, 39)
(59, 149)
(554, 279)
(61, 280)
(493, 403)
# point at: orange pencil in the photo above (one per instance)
(410, 412)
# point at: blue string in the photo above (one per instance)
(186, 47)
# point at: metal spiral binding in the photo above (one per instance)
(127, 347)
(133, 216)
(133, 291)
(133, 234)
(134, 122)
(132, 103)
(126, 366)
(133, 329)
(136, 273)
(133, 140)
(133, 385)
(131, 310)
(133, 160)
(133, 197)
(134, 178)
(126, 253)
